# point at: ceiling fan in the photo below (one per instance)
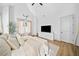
(39, 3)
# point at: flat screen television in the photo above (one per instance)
(46, 28)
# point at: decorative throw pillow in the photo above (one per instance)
(13, 43)
(27, 37)
(20, 39)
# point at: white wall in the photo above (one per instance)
(47, 14)
(1, 20)
(11, 13)
(0, 10)
(5, 19)
(1, 24)
(34, 19)
(43, 15)
(50, 14)
(77, 23)
(20, 9)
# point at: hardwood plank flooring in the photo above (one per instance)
(66, 49)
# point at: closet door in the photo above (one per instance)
(28, 28)
(67, 29)
(20, 26)
(24, 27)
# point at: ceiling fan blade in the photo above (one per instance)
(33, 4)
(41, 4)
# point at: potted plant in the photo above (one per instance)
(11, 27)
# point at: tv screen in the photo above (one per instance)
(46, 28)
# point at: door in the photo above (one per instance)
(67, 29)
(28, 27)
(24, 27)
(20, 26)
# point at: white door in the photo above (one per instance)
(28, 27)
(67, 29)
(20, 26)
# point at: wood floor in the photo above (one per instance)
(66, 49)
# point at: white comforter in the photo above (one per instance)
(32, 47)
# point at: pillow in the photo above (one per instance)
(31, 51)
(13, 43)
(43, 50)
(32, 46)
(53, 49)
(25, 38)
(23, 52)
(20, 39)
(5, 49)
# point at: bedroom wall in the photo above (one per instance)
(34, 18)
(11, 14)
(20, 9)
(50, 14)
(77, 24)
(43, 15)
(5, 19)
(0, 19)
(7, 15)
(0, 10)
(13, 11)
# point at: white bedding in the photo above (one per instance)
(32, 47)
(53, 49)
(4, 48)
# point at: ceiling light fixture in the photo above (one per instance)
(39, 3)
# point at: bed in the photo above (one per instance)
(32, 47)
(25, 46)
